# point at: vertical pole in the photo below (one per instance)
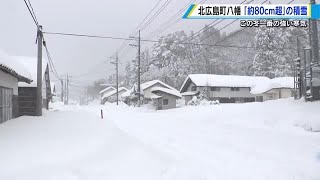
(61, 90)
(314, 33)
(67, 89)
(139, 49)
(305, 75)
(117, 77)
(39, 73)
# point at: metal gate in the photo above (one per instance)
(5, 104)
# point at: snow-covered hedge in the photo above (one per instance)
(195, 101)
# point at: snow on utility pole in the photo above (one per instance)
(116, 63)
(139, 57)
(138, 68)
(39, 73)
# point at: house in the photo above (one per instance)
(111, 96)
(165, 98)
(161, 94)
(27, 92)
(225, 88)
(276, 88)
(106, 90)
(11, 73)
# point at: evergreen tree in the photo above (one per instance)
(270, 59)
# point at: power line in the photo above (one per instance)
(54, 70)
(147, 40)
(32, 14)
(124, 45)
(156, 14)
(172, 20)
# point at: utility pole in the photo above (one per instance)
(139, 56)
(314, 33)
(39, 73)
(61, 80)
(67, 89)
(138, 68)
(116, 63)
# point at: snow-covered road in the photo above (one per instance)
(230, 141)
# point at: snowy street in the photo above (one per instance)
(231, 141)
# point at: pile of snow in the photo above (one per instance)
(281, 82)
(12, 65)
(168, 91)
(232, 141)
(196, 101)
(31, 63)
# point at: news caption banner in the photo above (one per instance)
(270, 15)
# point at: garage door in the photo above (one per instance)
(5, 104)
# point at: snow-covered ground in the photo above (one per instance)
(270, 140)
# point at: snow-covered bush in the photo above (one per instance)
(200, 100)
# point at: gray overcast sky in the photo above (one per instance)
(100, 17)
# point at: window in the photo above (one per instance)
(235, 89)
(165, 101)
(215, 89)
(194, 88)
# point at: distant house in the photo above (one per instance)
(27, 92)
(225, 88)
(162, 95)
(111, 96)
(276, 88)
(11, 72)
(106, 90)
(236, 89)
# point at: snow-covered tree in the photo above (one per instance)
(270, 59)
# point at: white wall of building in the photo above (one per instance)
(224, 91)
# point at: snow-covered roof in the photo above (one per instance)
(212, 80)
(30, 63)
(276, 83)
(166, 90)
(148, 84)
(106, 89)
(15, 68)
(114, 92)
(189, 93)
(145, 86)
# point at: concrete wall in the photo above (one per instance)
(6, 80)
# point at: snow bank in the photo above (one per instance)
(231, 141)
